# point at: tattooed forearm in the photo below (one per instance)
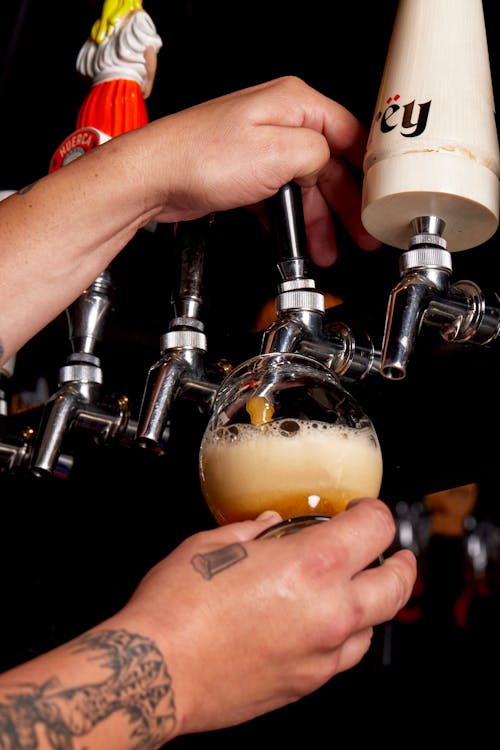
(214, 562)
(138, 685)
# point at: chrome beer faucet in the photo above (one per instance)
(18, 431)
(180, 372)
(14, 443)
(300, 307)
(77, 405)
(424, 295)
(431, 173)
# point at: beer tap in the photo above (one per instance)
(14, 449)
(17, 435)
(424, 295)
(300, 307)
(77, 405)
(431, 173)
(180, 372)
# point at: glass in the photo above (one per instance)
(285, 435)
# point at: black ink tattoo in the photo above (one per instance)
(214, 562)
(27, 188)
(2, 350)
(139, 685)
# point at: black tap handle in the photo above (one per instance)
(187, 292)
(286, 220)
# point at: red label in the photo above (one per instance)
(75, 145)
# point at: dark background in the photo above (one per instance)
(72, 553)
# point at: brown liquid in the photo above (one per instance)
(317, 470)
(287, 503)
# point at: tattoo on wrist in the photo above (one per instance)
(138, 685)
(211, 563)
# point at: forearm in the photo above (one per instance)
(110, 689)
(230, 152)
(188, 652)
(65, 230)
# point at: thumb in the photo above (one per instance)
(244, 531)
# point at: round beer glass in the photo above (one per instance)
(285, 435)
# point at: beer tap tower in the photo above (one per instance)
(431, 172)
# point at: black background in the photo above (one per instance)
(72, 553)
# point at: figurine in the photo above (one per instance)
(119, 58)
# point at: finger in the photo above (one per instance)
(352, 539)
(384, 590)
(345, 134)
(320, 228)
(243, 531)
(341, 189)
(354, 648)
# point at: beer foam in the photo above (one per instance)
(293, 466)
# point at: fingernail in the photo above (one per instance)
(267, 515)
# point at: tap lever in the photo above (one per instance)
(187, 294)
(300, 307)
(286, 219)
(87, 316)
(180, 372)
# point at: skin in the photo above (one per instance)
(198, 617)
(176, 658)
(230, 152)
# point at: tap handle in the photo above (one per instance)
(187, 294)
(87, 316)
(286, 219)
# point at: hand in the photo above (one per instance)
(270, 620)
(231, 152)
(241, 148)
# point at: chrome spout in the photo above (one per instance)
(425, 270)
(425, 296)
(300, 307)
(166, 383)
(76, 406)
(16, 451)
(17, 436)
(180, 372)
